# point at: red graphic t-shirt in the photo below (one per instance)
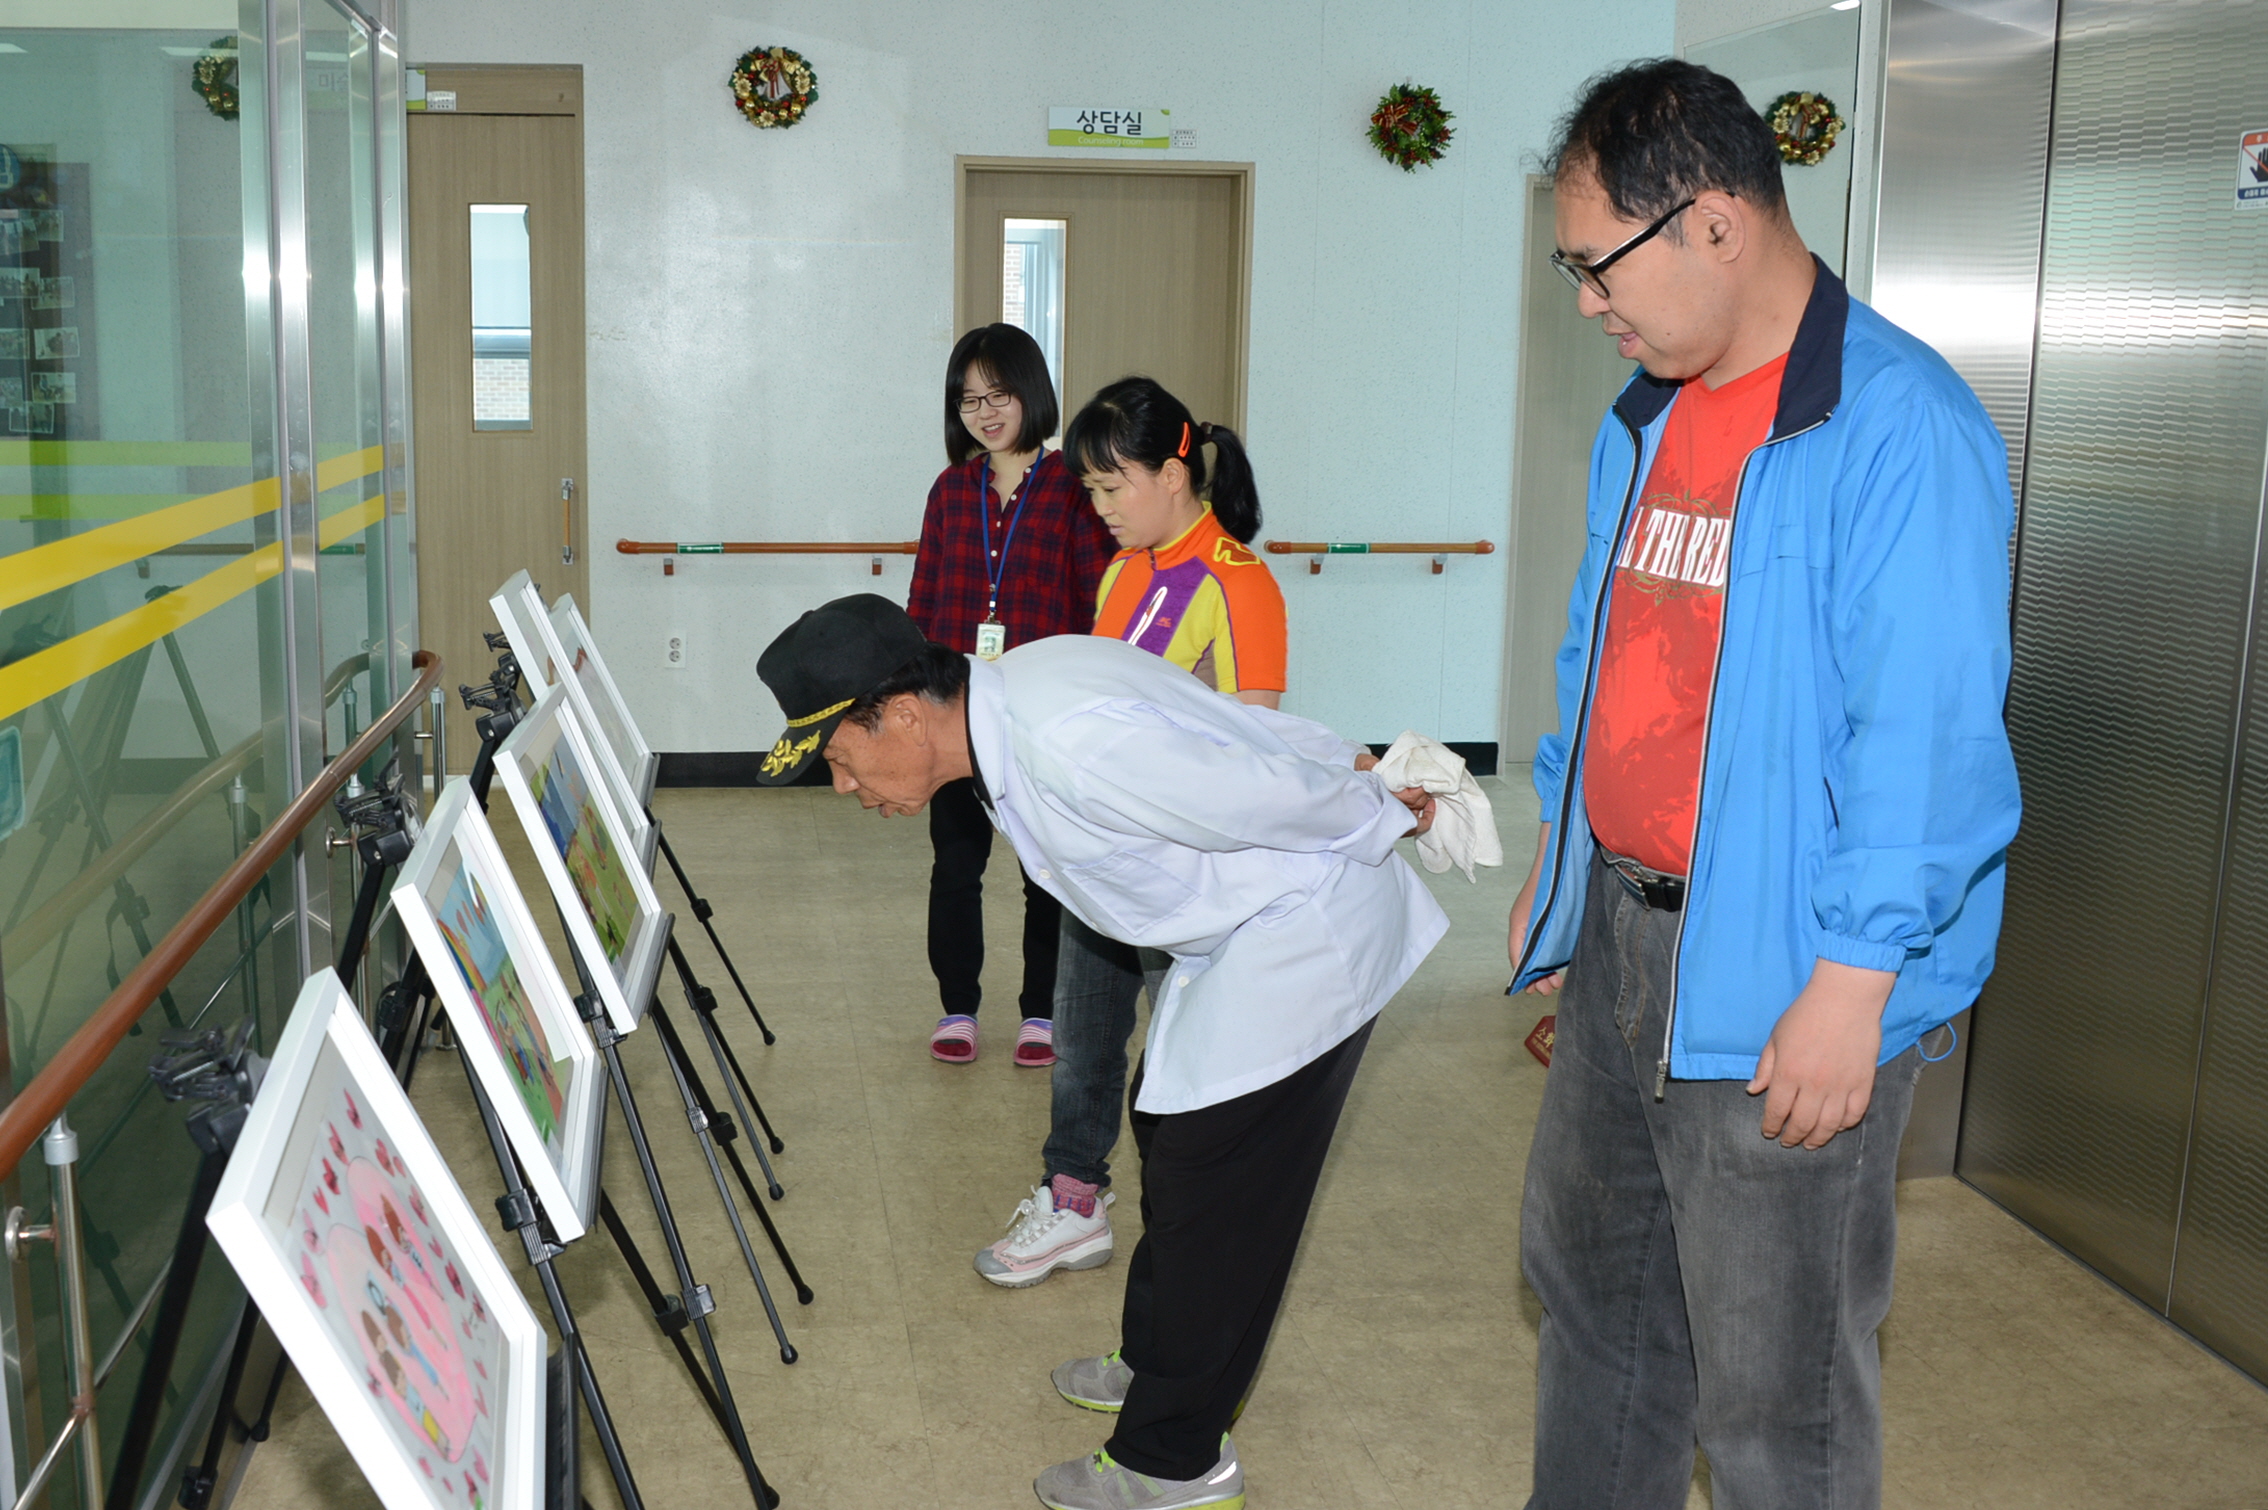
(1642, 775)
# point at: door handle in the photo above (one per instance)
(566, 521)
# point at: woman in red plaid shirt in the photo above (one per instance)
(1010, 552)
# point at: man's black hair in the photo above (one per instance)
(1661, 131)
(938, 673)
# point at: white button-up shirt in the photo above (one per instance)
(1238, 839)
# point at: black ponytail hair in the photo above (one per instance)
(1014, 361)
(1135, 420)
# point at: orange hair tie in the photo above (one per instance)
(1183, 453)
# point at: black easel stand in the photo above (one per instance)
(697, 1301)
(516, 1208)
(704, 1004)
(220, 1070)
(709, 1128)
(702, 912)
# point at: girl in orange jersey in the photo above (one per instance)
(1185, 586)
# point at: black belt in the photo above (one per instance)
(1658, 892)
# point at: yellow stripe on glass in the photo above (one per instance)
(60, 564)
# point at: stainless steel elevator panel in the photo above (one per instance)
(2141, 514)
(1956, 261)
(1966, 94)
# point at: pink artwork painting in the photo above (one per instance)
(379, 1274)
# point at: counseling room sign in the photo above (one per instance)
(1109, 126)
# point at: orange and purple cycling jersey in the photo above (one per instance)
(1204, 602)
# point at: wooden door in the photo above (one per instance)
(1156, 271)
(496, 491)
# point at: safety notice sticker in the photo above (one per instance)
(2252, 171)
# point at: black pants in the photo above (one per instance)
(962, 836)
(1225, 1192)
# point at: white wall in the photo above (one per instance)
(770, 311)
(1702, 20)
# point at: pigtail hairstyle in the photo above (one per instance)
(1013, 361)
(1135, 420)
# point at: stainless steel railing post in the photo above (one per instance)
(61, 1147)
(435, 712)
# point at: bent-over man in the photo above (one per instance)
(1254, 848)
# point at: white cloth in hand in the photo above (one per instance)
(1464, 826)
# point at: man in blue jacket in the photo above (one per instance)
(1776, 813)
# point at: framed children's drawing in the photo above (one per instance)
(515, 1016)
(613, 918)
(614, 722)
(547, 664)
(360, 1250)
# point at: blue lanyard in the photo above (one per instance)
(994, 570)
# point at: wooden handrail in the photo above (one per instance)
(876, 549)
(87, 1049)
(1316, 550)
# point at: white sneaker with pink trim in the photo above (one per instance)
(1064, 1224)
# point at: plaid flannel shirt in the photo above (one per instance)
(1052, 568)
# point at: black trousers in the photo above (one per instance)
(1225, 1192)
(961, 835)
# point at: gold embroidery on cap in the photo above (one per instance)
(812, 718)
(785, 753)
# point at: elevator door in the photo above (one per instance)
(1155, 267)
(2115, 1079)
(496, 350)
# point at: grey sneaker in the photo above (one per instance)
(1094, 1383)
(1097, 1483)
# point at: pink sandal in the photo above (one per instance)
(1035, 1044)
(955, 1040)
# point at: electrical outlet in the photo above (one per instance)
(675, 653)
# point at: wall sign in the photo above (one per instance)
(1112, 126)
(2252, 171)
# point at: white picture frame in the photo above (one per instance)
(436, 1381)
(545, 663)
(614, 921)
(517, 1027)
(615, 722)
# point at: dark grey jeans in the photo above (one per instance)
(1096, 982)
(1700, 1283)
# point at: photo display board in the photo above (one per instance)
(546, 664)
(357, 1245)
(577, 833)
(632, 754)
(514, 1014)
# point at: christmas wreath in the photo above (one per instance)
(773, 86)
(1806, 126)
(213, 76)
(1410, 127)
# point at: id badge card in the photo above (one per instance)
(991, 640)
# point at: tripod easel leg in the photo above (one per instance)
(702, 912)
(669, 1312)
(517, 1209)
(704, 1003)
(698, 1113)
(697, 1299)
(727, 1135)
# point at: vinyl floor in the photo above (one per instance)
(1402, 1372)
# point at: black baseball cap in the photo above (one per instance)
(824, 662)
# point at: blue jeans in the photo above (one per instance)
(1700, 1283)
(1096, 981)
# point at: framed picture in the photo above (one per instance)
(632, 754)
(519, 609)
(55, 387)
(515, 1016)
(15, 345)
(55, 343)
(364, 1256)
(613, 918)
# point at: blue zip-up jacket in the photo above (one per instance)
(1857, 791)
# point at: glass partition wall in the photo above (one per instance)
(205, 588)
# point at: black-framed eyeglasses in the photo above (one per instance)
(1591, 275)
(998, 398)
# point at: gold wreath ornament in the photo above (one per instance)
(773, 86)
(1805, 125)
